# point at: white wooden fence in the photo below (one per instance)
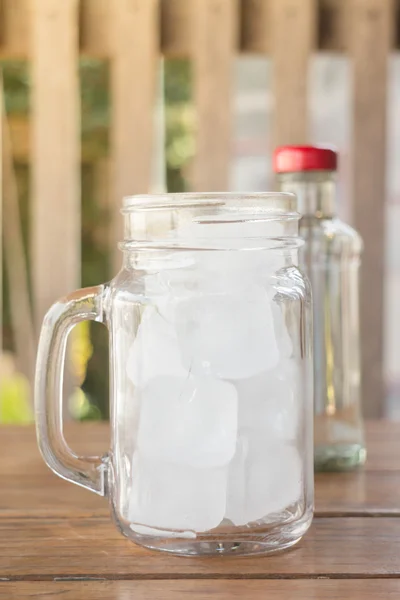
(132, 33)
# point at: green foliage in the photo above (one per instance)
(14, 400)
(95, 106)
(82, 409)
(177, 81)
(179, 122)
(95, 270)
(95, 96)
(16, 86)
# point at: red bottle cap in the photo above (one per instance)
(292, 159)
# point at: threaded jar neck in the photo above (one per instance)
(315, 191)
(213, 221)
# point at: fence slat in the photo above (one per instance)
(293, 32)
(1, 211)
(14, 28)
(176, 27)
(95, 35)
(214, 32)
(133, 82)
(92, 150)
(15, 261)
(370, 41)
(101, 192)
(332, 25)
(254, 26)
(56, 233)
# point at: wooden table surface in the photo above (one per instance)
(57, 540)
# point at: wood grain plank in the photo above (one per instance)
(214, 40)
(44, 495)
(293, 20)
(29, 487)
(360, 493)
(356, 589)
(370, 33)
(133, 81)
(40, 493)
(56, 233)
(334, 548)
(19, 445)
(383, 445)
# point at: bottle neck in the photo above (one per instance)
(315, 191)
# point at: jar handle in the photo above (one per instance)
(82, 305)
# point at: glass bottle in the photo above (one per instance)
(211, 377)
(331, 259)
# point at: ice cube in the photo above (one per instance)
(236, 250)
(155, 351)
(171, 496)
(264, 479)
(188, 421)
(175, 277)
(271, 402)
(230, 336)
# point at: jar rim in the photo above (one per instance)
(273, 203)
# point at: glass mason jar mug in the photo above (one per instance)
(211, 377)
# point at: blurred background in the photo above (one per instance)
(104, 98)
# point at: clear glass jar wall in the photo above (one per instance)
(210, 323)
